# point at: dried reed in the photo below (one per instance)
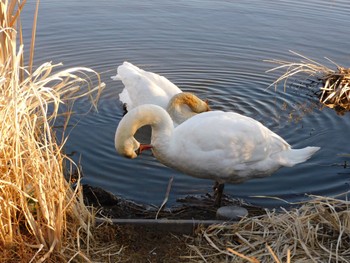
(318, 231)
(335, 88)
(41, 217)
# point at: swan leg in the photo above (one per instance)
(218, 191)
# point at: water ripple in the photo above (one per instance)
(215, 49)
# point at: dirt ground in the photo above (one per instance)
(139, 244)
(198, 207)
(142, 243)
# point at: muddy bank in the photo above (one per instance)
(199, 207)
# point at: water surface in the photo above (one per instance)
(216, 49)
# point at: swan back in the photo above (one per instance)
(142, 87)
(227, 147)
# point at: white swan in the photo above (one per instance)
(222, 146)
(142, 87)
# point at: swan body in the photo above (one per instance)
(222, 146)
(142, 87)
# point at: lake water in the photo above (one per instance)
(216, 49)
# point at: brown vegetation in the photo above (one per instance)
(335, 84)
(318, 231)
(40, 213)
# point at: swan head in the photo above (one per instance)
(192, 101)
(127, 145)
(124, 141)
(185, 105)
(131, 148)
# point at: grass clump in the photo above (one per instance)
(318, 231)
(41, 217)
(334, 84)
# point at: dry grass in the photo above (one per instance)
(318, 231)
(335, 89)
(41, 217)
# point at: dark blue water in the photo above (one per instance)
(216, 49)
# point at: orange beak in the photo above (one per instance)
(143, 147)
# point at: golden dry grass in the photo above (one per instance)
(335, 84)
(318, 231)
(41, 218)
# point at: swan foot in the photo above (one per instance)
(218, 191)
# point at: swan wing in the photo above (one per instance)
(142, 87)
(225, 146)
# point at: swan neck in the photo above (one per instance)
(155, 116)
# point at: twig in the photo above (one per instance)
(252, 260)
(166, 196)
(273, 254)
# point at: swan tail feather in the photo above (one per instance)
(292, 157)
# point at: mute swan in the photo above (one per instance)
(223, 146)
(142, 87)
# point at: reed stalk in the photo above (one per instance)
(334, 84)
(39, 210)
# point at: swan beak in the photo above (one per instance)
(207, 102)
(143, 147)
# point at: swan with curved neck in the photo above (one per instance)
(185, 105)
(142, 87)
(223, 146)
